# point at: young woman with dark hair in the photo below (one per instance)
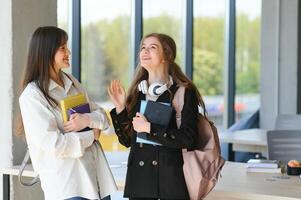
(70, 164)
(155, 172)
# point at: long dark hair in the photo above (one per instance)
(43, 45)
(169, 53)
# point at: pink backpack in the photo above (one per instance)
(203, 165)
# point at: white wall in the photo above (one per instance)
(6, 90)
(18, 20)
(279, 43)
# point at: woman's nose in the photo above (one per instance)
(146, 50)
(68, 51)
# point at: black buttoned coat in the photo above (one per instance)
(156, 171)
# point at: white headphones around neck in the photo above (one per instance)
(155, 89)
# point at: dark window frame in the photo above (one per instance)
(137, 35)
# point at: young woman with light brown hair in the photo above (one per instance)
(154, 171)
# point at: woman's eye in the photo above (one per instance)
(142, 48)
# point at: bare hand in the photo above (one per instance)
(140, 123)
(117, 95)
(97, 133)
(77, 122)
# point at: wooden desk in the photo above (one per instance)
(14, 170)
(249, 140)
(237, 184)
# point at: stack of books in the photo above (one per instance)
(263, 166)
(74, 104)
(157, 113)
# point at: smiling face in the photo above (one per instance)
(151, 54)
(61, 58)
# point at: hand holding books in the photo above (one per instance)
(140, 123)
(77, 122)
(155, 112)
(96, 133)
(73, 112)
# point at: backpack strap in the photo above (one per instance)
(21, 170)
(178, 103)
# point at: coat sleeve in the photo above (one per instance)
(186, 135)
(41, 129)
(123, 126)
(98, 117)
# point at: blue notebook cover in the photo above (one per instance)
(155, 112)
(83, 108)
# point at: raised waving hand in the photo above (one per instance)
(117, 95)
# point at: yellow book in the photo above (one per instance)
(71, 102)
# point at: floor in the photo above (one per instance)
(118, 163)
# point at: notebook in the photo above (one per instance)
(74, 104)
(264, 170)
(83, 108)
(71, 102)
(157, 113)
(262, 163)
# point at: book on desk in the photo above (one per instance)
(157, 113)
(264, 166)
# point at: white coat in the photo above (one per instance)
(69, 164)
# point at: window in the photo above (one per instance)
(208, 55)
(107, 49)
(165, 17)
(248, 22)
(64, 20)
(106, 45)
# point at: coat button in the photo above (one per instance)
(173, 137)
(165, 135)
(155, 134)
(141, 163)
(155, 162)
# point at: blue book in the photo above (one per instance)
(83, 108)
(155, 112)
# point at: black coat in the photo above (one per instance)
(156, 171)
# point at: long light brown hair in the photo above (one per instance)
(43, 45)
(174, 70)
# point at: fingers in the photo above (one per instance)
(109, 92)
(68, 126)
(71, 125)
(116, 87)
(120, 88)
(96, 133)
(141, 116)
(73, 116)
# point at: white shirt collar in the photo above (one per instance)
(67, 83)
